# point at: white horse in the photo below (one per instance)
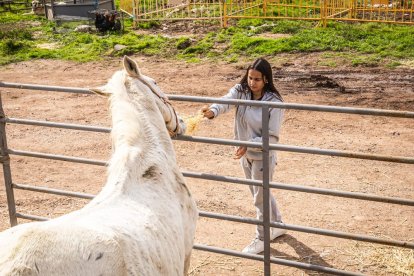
(141, 223)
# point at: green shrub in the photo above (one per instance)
(16, 34)
(148, 24)
(11, 46)
(183, 43)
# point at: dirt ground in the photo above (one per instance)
(300, 80)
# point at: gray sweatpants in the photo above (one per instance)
(253, 169)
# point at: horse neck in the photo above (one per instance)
(139, 138)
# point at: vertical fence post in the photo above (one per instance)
(189, 6)
(224, 14)
(135, 12)
(5, 160)
(325, 12)
(353, 8)
(266, 207)
(220, 4)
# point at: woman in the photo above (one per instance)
(256, 84)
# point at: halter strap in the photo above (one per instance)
(165, 100)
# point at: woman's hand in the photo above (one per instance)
(240, 151)
(207, 112)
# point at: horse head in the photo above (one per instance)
(138, 88)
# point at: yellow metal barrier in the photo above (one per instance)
(389, 11)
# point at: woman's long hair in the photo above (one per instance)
(263, 66)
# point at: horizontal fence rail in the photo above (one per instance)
(239, 254)
(52, 191)
(56, 125)
(184, 98)
(288, 148)
(280, 147)
(338, 153)
(274, 260)
(312, 230)
(298, 228)
(220, 178)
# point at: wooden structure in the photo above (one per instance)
(75, 9)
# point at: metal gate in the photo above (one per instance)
(386, 11)
(267, 259)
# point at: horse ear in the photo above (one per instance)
(131, 67)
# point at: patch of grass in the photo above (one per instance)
(145, 44)
(247, 23)
(183, 43)
(11, 46)
(258, 45)
(328, 63)
(148, 24)
(368, 44)
(366, 60)
(202, 47)
(393, 64)
(16, 34)
(8, 17)
(291, 27)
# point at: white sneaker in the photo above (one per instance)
(255, 247)
(276, 232)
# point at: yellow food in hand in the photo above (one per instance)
(192, 123)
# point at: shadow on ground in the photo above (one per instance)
(304, 254)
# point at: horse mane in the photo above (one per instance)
(134, 125)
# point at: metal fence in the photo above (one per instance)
(387, 11)
(266, 258)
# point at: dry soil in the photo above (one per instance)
(300, 80)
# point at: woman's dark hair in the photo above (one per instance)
(263, 66)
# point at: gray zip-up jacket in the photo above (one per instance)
(248, 120)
